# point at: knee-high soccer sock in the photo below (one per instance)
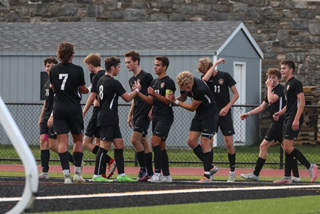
(287, 166)
(142, 160)
(232, 161)
(259, 164)
(45, 157)
(165, 163)
(300, 157)
(198, 152)
(101, 162)
(64, 160)
(157, 159)
(149, 163)
(95, 149)
(77, 157)
(118, 155)
(70, 157)
(294, 168)
(211, 158)
(207, 163)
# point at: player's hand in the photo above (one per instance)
(244, 116)
(223, 112)
(221, 61)
(130, 122)
(151, 91)
(295, 125)
(50, 122)
(276, 116)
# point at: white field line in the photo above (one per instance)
(177, 191)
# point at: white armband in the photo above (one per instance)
(177, 102)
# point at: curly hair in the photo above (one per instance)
(65, 52)
(184, 79)
(274, 71)
(204, 65)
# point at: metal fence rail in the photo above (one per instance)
(249, 134)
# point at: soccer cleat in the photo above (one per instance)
(313, 170)
(284, 180)
(78, 179)
(156, 178)
(204, 180)
(213, 171)
(111, 168)
(232, 176)
(295, 179)
(167, 179)
(44, 175)
(250, 176)
(67, 181)
(101, 180)
(125, 178)
(143, 176)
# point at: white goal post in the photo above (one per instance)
(28, 160)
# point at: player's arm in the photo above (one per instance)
(42, 113)
(161, 98)
(301, 105)
(190, 107)
(130, 115)
(209, 73)
(89, 103)
(83, 89)
(224, 111)
(261, 108)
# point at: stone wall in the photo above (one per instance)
(286, 29)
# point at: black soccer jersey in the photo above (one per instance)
(292, 88)
(201, 92)
(277, 106)
(160, 86)
(49, 99)
(141, 107)
(219, 86)
(109, 91)
(95, 80)
(66, 79)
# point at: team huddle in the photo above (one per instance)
(152, 101)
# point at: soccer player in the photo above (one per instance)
(162, 118)
(108, 120)
(293, 119)
(93, 61)
(273, 102)
(48, 138)
(205, 120)
(220, 82)
(67, 80)
(138, 118)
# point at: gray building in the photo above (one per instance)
(25, 45)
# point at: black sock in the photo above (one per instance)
(232, 161)
(199, 153)
(142, 160)
(259, 164)
(149, 163)
(207, 163)
(294, 167)
(70, 157)
(287, 166)
(64, 160)
(157, 159)
(118, 155)
(300, 157)
(95, 150)
(77, 158)
(45, 157)
(100, 164)
(165, 163)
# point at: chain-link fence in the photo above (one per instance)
(249, 134)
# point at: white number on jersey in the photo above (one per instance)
(64, 78)
(101, 92)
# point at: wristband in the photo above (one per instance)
(177, 102)
(137, 90)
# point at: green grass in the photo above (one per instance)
(305, 204)
(246, 156)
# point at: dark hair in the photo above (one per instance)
(274, 71)
(135, 56)
(65, 52)
(112, 61)
(93, 59)
(289, 63)
(164, 60)
(50, 60)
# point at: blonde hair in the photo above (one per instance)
(93, 59)
(184, 79)
(204, 64)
